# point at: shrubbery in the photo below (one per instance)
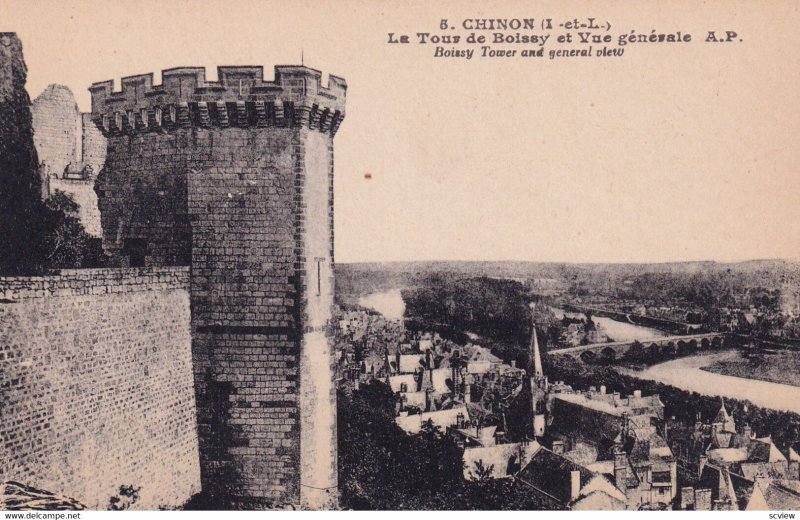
(383, 468)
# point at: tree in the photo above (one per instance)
(482, 472)
(70, 244)
(636, 352)
(383, 468)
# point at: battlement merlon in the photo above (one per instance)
(240, 98)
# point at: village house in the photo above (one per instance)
(618, 437)
(564, 484)
(497, 460)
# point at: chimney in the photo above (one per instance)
(498, 437)
(460, 420)
(558, 447)
(513, 363)
(603, 389)
(620, 469)
(467, 393)
(637, 393)
(575, 484)
(687, 498)
(748, 432)
(397, 360)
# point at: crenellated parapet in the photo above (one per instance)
(240, 98)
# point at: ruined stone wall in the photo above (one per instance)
(235, 179)
(96, 386)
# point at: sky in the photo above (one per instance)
(667, 153)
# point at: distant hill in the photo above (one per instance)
(360, 278)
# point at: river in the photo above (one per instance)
(618, 330)
(685, 373)
(389, 303)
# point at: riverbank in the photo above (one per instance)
(781, 368)
(615, 330)
(688, 392)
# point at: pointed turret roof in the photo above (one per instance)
(724, 418)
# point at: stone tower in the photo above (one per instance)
(235, 179)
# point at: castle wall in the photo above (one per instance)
(96, 388)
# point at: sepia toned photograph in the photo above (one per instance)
(351, 255)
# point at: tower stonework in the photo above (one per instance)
(235, 179)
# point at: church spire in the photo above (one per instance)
(724, 418)
(538, 386)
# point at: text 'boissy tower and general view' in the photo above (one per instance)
(202, 363)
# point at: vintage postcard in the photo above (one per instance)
(384, 255)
